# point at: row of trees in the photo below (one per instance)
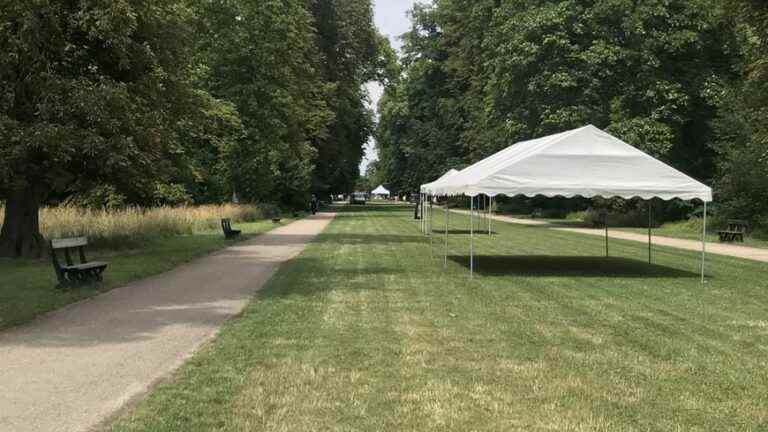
(683, 80)
(146, 102)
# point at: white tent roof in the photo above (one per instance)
(585, 162)
(381, 190)
(430, 186)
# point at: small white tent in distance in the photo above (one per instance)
(380, 192)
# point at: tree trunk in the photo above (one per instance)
(20, 235)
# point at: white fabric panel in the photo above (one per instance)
(585, 162)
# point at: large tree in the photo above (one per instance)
(90, 92)
(742, 123)
(353, 54)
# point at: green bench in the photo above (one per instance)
(229, 233)
(69, 273)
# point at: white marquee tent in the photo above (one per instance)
(586, 162)
(381, 190)
(432, 186)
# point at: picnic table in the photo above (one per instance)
(736, 231)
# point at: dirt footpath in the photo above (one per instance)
(745, 252)
(73, 368)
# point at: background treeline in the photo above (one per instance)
(140, 102)
(684, 80)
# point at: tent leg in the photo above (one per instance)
(471, 237)
(704, 243)
(606, 238)
(423, 219)
(431, 240)
(430, 217)
(650, 222)
(490, 215)
(445, 249)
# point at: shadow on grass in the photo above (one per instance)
(569, 266)
(388, 208)
(372, 239)
(477, 232)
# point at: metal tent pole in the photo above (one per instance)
(491, 223)
(430, 216)
(471, 237)
(606, 237)
(431, 240)
(445, 259)
(650, 222)
(704, 243)
(423, 218)
(490, 216)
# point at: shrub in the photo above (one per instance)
(630, 218)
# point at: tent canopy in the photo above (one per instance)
(585, 162)
(381, 190)
(430, 186)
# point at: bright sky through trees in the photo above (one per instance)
(392, 21)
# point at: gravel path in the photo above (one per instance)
(74, 368)
(744, 252)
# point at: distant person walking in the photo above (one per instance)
(313, 204)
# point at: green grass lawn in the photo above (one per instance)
(367, 331)
(28, 287)
(681, 229)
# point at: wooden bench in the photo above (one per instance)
(736, 231)
(229, 233)
(73, 274)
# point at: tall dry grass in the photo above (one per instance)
(135, 225)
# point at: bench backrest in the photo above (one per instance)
(737, 225)
(68, 243)
(226, 225)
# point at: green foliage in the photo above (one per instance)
(99, 197)
(481, 75)
(90, 93)
(172, 194)
(353, 54)
(293, 72)
(742, 123)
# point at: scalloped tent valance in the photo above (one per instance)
(585, 162)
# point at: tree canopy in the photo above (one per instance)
(143, 102)
(481, 75)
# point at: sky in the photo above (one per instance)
(392, 20)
